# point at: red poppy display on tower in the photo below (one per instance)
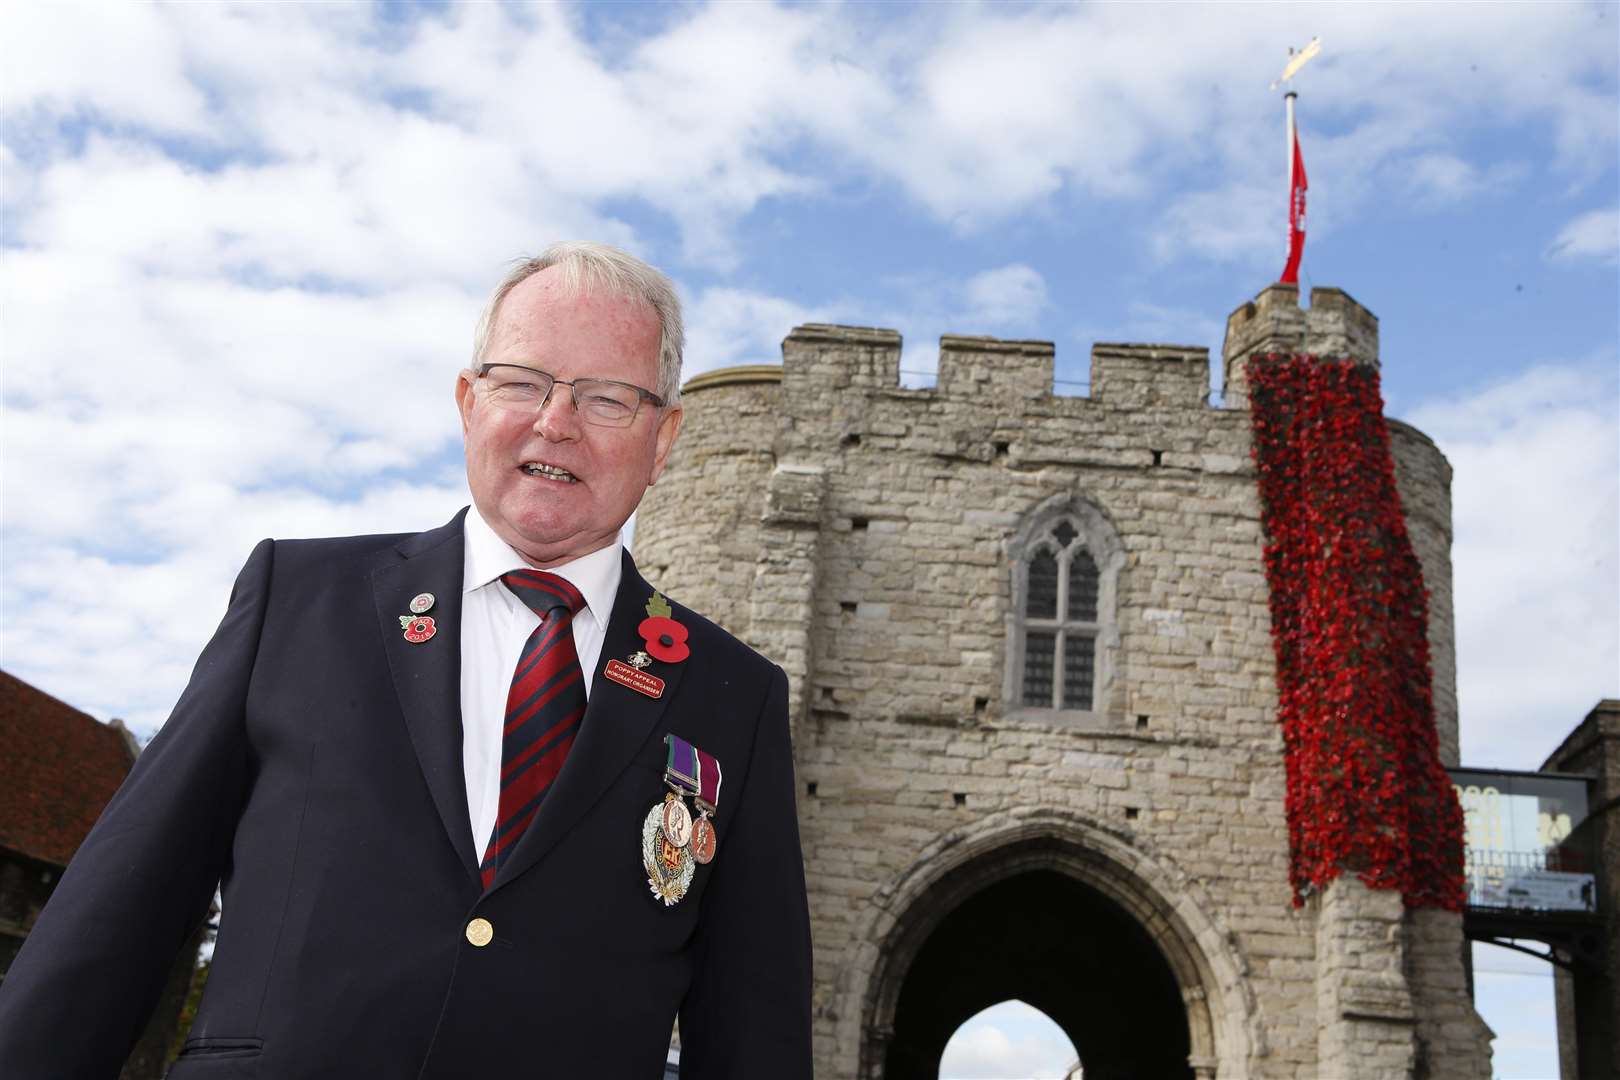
(1367, 792)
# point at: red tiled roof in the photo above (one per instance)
(58, 768)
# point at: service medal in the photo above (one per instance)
(669, 866)
(693, 772)
(672, 843)
(677, 820)
(703, 839)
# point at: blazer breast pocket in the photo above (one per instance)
(216, 1058)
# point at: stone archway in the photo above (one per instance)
(1052, 941)
(1071, 918)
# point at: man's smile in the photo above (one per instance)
(548, 472)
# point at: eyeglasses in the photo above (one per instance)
(602, 402)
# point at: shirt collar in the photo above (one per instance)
(596, 575)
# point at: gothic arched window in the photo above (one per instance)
(1062, 631)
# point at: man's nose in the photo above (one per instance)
(557, 419)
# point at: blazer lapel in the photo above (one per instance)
(427, 674)
(617, 722)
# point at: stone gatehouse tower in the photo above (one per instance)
(1034, 702)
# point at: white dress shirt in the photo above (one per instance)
(494, 626)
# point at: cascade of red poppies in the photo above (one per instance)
(1349, 617)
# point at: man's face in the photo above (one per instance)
(549, 519)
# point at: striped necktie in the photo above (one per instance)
(543, 709)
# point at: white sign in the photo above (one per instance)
(1541, 890)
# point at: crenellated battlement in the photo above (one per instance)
(820, 359)
(1335, 325)
(838, 357)
(994, 369)
(1137, 376)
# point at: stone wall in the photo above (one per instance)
(1423, 478)
(706, 510)
(866, 538)
(1453, 1042)
(1363, 1003)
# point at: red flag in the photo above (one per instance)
(1296, 217)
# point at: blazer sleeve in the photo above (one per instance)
(79, 992)
(747, 1012)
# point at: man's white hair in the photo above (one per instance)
(598, 268)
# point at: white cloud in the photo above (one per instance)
(690, 121)
(1592, 235)
(1536, 555)
(245, 243)
(1386, 108)
(120, 390)
(1442, 179)
(1241, 219)
(160, 419)
(728, 326)
(116, 635)
(1009, 1041)
(404, 147)
(1006, 296)
(78, 54)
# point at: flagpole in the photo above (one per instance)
(1296, 184)
(1288, 104)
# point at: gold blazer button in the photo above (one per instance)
(480, 932)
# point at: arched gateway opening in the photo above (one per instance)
(1068, 918)
(1049, 940)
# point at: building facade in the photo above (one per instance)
(1587, 987)
(58, 769)
(1034, 702)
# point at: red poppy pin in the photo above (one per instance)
(665, 638)
(418, 628)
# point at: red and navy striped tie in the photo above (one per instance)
(543, 709)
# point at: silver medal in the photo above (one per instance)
(669, 865)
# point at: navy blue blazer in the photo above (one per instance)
(313, 771)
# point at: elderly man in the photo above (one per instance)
(480, 801)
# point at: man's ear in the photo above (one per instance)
(464, 398)
(669, 426)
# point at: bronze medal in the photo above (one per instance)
(704, 839)
(677, 820)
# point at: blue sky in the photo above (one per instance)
(244, 245)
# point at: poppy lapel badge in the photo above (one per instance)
(418, 628)
(664, 640)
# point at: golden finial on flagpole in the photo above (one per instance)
(1297, 60)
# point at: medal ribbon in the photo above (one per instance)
(681, 764)
(695, 772)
